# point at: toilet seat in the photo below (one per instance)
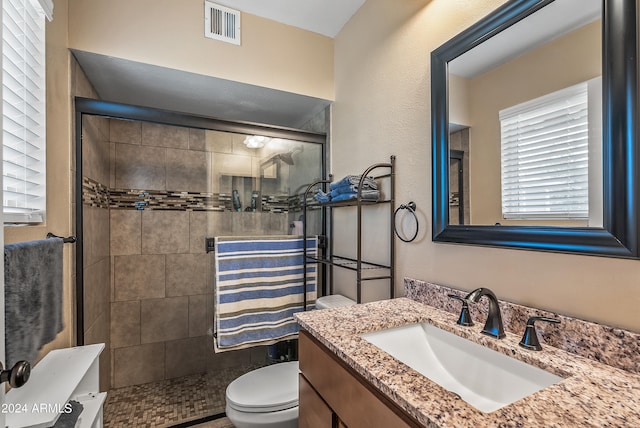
(268, 389)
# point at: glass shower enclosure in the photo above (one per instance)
(152, 188)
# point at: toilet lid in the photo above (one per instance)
(267, 389)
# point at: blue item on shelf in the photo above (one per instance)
(367, 195)
(354, 180)
(351, 189)
(322, 197)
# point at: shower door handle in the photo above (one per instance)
(17, 376)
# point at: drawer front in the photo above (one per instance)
(355, 403)
(313, 412)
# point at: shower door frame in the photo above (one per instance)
(112, 110)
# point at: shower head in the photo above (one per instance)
(286, 158)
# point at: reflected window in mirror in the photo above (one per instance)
(545, 156)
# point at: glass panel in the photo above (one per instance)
(152, 196)
(263, 180)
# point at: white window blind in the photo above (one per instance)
(23, 108)
(545, 157)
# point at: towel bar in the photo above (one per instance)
(68, 240)
(210, 243)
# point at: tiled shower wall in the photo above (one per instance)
(162, 279)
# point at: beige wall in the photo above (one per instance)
(170, 33)
(382, 107)
(59, 165)
(459, 100)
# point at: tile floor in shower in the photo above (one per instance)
(172, 402)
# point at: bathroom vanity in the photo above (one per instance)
(331, 394)
(347, 380)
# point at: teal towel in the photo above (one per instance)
(33, 297)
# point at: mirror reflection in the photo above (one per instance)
(525, 122)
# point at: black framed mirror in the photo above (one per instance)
(617, 234)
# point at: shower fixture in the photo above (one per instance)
(286, 157)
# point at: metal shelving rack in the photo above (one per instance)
(365, 270)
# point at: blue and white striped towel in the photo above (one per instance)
(259, 286)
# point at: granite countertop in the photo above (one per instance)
(592, 394)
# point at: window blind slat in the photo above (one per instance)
(13, 140)
(9, 181)
(532, 193)
(551, 119)
(574, 150)
(541, 180)
(549, 167)
(545, 156)
(539, 136)
(557, 206)
(18, 169)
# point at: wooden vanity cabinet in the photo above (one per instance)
(333, 395)
(316, 412)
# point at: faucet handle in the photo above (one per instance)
(465, 315)
(530, 337)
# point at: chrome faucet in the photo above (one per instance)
(493, 325)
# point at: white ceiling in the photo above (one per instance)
(130, 82)
(552, 21)
(326, 17)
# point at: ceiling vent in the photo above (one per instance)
(221, 23)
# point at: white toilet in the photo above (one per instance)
(265, 398)
(268, 397)
(333, 301)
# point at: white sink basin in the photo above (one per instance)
(484, 378)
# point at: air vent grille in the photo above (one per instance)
(221, 23)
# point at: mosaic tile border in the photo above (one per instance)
(95, 194)
(167, 200)
(98, 195)
(612, 346)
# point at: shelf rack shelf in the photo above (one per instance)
(365, 270)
